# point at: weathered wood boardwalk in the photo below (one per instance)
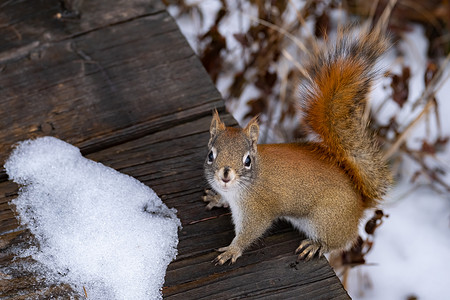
(122, 84)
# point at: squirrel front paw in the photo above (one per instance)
(308, 249)
(215, 200)
(229, 253)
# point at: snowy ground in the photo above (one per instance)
(411, 250)
(103, 232)
(412, 247)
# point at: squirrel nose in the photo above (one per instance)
(226, 170)
(226, 178)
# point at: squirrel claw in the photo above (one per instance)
(308, 249)
(229, 254)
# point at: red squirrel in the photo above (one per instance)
(322, 187)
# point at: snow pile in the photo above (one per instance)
(97, 229)
(411, 250)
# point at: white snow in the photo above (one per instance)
(411, 250)
(97, 229)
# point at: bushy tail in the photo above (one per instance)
(333, 99)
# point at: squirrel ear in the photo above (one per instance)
(252, 131)
(216, 126)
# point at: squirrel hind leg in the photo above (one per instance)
(309, 249)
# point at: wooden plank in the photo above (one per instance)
(30, 24)
(104, 85)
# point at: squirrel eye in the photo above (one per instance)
(248, 162)
(210, 157)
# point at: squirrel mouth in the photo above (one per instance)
(225, 184)
(225, 178)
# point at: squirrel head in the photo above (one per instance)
(232, 157)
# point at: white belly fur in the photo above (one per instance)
(304, 225)
(232, 198)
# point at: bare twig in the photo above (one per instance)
(302, 22)
(384, 19)
(400, 139)
(295, 63)
(282, 31)
(428, 94)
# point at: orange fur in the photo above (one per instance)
(333, 103)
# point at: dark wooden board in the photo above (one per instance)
(122, 84)
(104, 85)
